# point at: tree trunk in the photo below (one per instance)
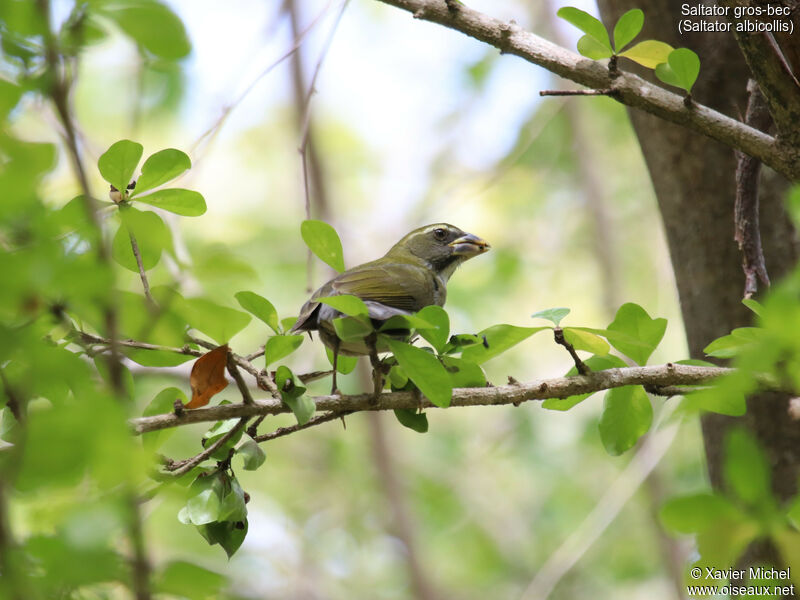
(694, 180)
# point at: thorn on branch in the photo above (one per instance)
(558, 335)
(613, 71)
(177, 407)
(453, 6)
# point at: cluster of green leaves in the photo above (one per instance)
(627, 411)
(726, 522)
(675, 66)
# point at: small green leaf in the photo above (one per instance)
(203, 507)
(408, 322)
(188, 580)
(252, 453)
(352, 306)
(436, 336)
(553, 315)
(220, 323)
(228, 534)
(293, 395)
(464, 373)
(649, 53)
(280, 346)
(349, 329)
(161, 404)
(499, 338)
(591, 48)
(259, 307)
(746, 469)
(344, 364)
(187, 203)
(681, 69)
(627, 416)
(398, 378)
(160, 168)
(218, 430)
(627, 28)
(412, 419)
(151, 25)
(695, 513)
(726, 396)
(732, 344)
(232, 506)
(151, 234)
(640, 335)
(585, 340)
(424, 370)
(588, 24)
(753, 305)
(118, 163)
(323, 241)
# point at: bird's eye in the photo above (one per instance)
(439, 233)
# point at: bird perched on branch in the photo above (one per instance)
(411, 275)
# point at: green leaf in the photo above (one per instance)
(640, 333)
(588, 24)
(408, 322)
(151, 234)
(259, 307)
(591, 48)
(280, 346)
(746, 469)
(163, 403)
(187, 203)
(627, 28)
(695, 513)
(349, 329)
(726, 396)
(737, 340)
(412, 419)
(252, 453)
(352, 306)
(595, 363)
(293, 394)
(553, 315)
(203, 507)
(344, 364)
(753, 305)
(424, 370)
(160, 168)
(323, 241)
(218, 430)
(649, 53)
(10, 94)
(722, 544)
(151, 25)
(585, 340)
(681, 69)
(438, 334)
(156, 358)
(499, 338)
(627, 416)
(118, 163)
(218, 322)
(188, 580)
(227, 534)
(232, 506)
(464, 373)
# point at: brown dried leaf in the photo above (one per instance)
(208, 376)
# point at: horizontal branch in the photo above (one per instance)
(659, 376)
(628, 88)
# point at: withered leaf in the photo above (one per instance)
(208, 376)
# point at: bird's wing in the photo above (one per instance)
(395, 285)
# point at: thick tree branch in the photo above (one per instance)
(558, 387)
(628, 88)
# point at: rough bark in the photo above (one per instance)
(694, 180)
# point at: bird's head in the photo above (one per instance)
(441, 246)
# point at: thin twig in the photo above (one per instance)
(214, 129)
(140, 563)
(746, 218)
(318, 420)
(558, 335)
(94, 339)
(604, 92)
(140, 265)
(233, 369)
(176, 469)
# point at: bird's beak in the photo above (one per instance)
(469, 245)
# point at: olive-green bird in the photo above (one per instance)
(413, 274)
